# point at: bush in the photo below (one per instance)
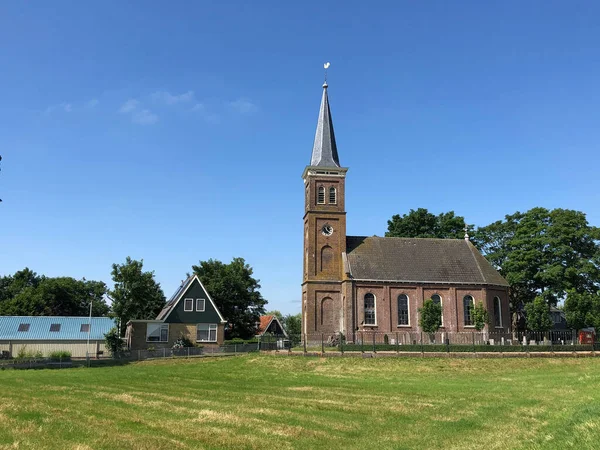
(24, 354)
(60, 355)
(114, 343)
(183, 342)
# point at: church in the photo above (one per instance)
(355, 284)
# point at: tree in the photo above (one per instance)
(114, 343)
(293, 327)
(430, 316)
(582, 310)
(136, 294)
(236, 294)
(422, 224)
(480, 316)
(538, 315)
(27, 294)
(543, 253)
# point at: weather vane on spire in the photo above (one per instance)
(466, 233)
(326, 66)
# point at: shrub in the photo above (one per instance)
(60, 355)
(114, 343)
(182, 342)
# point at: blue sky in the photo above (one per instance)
(178, 132)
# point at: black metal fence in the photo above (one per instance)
(412, 341)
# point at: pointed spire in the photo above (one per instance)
(324, 152)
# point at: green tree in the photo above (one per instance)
(293, 327)
(543, 252)
(430, 316)
(480, 316)
(236, 294)
(114, 343)
(27, 294)
(422, 224)
(583, 310)
(538, 315)
(136, 294)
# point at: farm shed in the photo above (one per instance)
(44, 334)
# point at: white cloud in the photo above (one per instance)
(243, 106)
(129, 106)
(144, 117)
(92, 103)
(198, 107)
(64, 107)
(170, 99)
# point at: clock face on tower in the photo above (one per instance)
(327, 230)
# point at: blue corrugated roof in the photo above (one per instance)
(39, 328)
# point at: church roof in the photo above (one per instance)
(422, 260)
(324, 152)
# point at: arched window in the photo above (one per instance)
(468, 305)
(369, 309)
(321, 195)
(332, 195)
(497, 312)
(402, 309)
(437, 299)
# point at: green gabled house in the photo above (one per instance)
(190, 313)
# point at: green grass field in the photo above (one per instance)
(261, 402)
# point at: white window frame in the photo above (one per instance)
(333, 190)
(407, 309)
(496, 298)
(374, 311)
(441, 306)
(161, 327)
(319, 190)
(209, 328)
(185, 300)
(203, 300)
(470, 315)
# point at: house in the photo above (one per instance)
(559, 319)
(270, 325)
(190, 313)
(43, 334)
(353, 284)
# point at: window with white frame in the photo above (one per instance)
(468, 305)
(369, 309)
(157, 332)
(206, 332)
(403, 309)
(188, 304)
(497, 312)
(321, 195)
(332, 195)
(437, 299)
(200, 304)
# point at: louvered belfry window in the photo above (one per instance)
(321, 195)
(332, 196)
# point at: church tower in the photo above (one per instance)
(324, 231)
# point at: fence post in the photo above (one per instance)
(422, 354)
(322, 344)
(473, 336)
(305, 344)
(447, 342)
(362, 341)
(397, 343)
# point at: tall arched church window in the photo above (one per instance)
(497, 312)
(437, 299)
(369, 309)
(332, 196)
(402, 309)
(321, 195)
(468, 305)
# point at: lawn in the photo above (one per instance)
(258, 402)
